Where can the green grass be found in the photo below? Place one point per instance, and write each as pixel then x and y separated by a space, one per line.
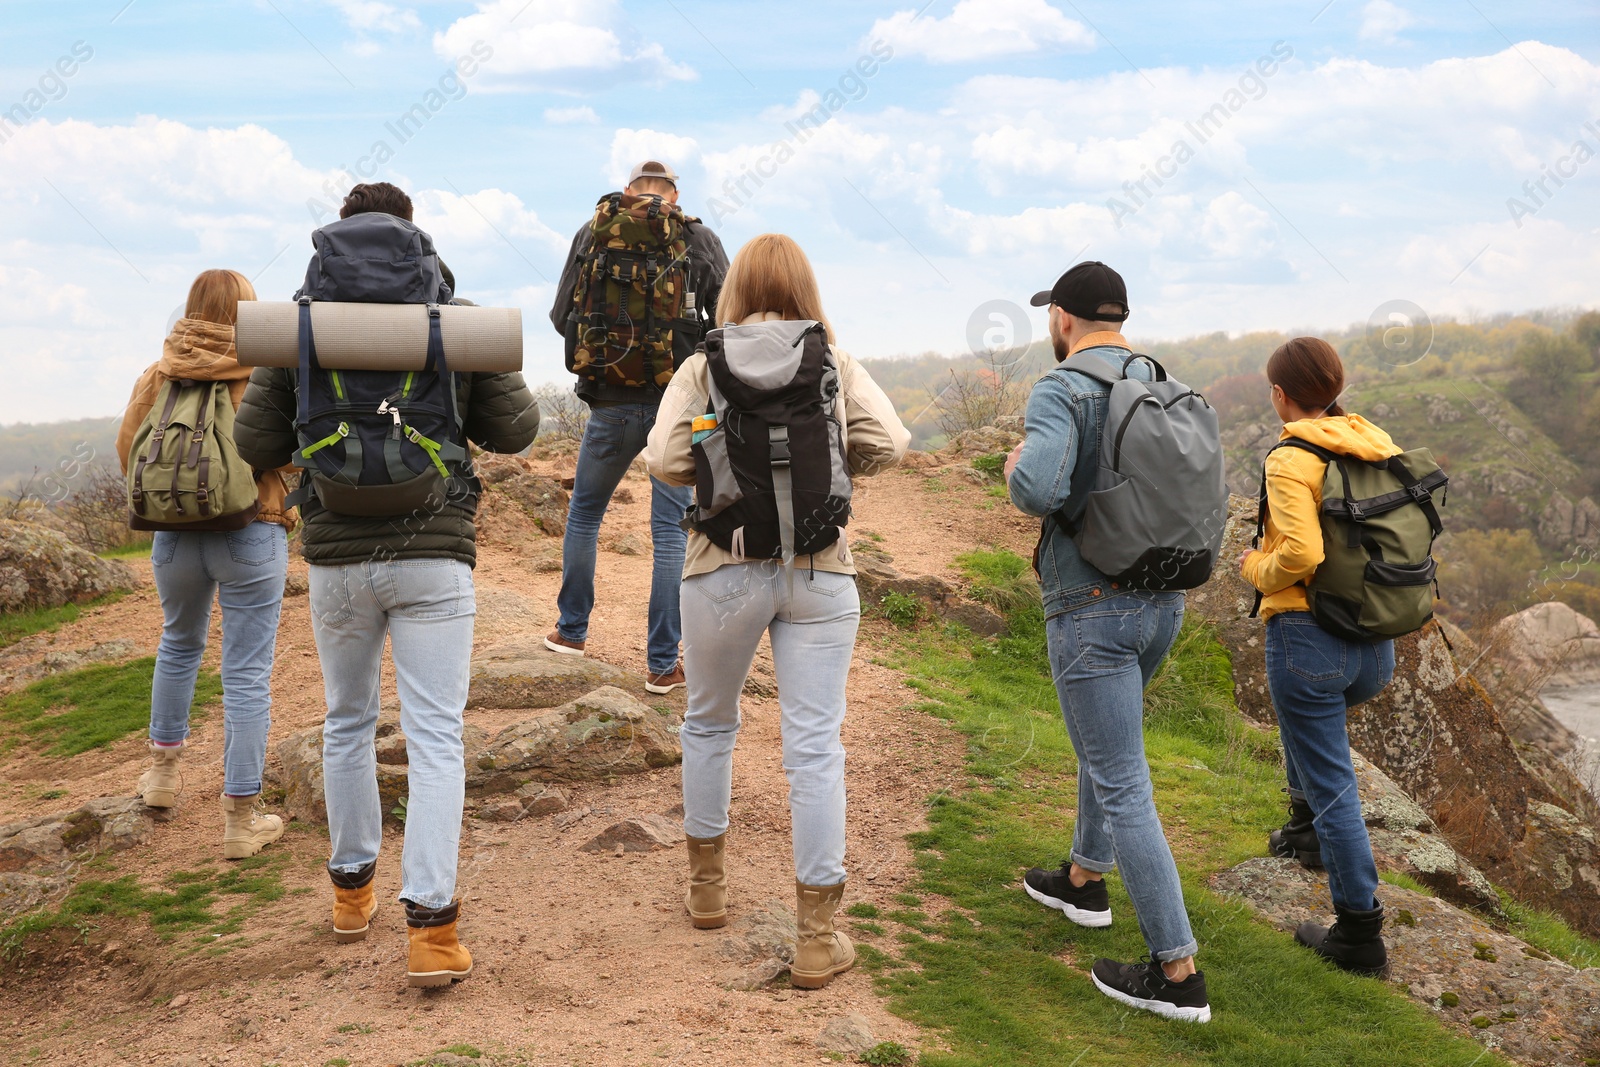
pixel 93 707
pixel 1005 981
pixel 132 548
pixel 1548 933
pixel 186 902
pixel 15 625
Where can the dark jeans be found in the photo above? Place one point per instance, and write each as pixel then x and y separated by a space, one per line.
pixel 1315 678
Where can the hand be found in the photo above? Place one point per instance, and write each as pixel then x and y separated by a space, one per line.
pixel 1244 556
pixel 1012 457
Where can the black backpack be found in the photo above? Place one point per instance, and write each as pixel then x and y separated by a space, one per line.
pixel 377 443
pixel 771 478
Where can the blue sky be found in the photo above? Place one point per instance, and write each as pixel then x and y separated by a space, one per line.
pixel 1301 164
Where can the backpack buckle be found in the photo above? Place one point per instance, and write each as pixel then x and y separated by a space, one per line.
pixel 778 441
pixel 1356 512
pixel 1418 493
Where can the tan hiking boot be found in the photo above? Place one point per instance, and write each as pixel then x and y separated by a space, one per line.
pixel 707 899
pixel 820 951
pixel 556 643
pixel 353 903
pixel 247 829
pixel 159 785
pixel 437 955
pixel 662 684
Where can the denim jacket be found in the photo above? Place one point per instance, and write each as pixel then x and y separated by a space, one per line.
pixel 1060 455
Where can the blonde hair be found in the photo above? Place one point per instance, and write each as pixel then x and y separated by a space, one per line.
pixel 771 273
pixel 215 296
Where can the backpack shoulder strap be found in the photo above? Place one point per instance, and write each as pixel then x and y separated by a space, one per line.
pixel 1261 504
pixel 1417 491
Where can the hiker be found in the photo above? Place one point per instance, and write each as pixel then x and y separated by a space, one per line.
pixel 623 341
pixel 1326 650
pixel 1105 642
pixel 240 563
pixel 773 561
pixel 391 551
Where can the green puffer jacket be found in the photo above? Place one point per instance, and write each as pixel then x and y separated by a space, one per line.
pixel 498 413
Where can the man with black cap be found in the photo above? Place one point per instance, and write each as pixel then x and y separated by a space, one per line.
pixel 1105 643
pixel 623 398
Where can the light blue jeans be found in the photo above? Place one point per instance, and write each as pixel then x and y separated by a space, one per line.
pixel 244 571
pixel 426 607
pixel 614 437
pixel 813 625
pixel 1102 657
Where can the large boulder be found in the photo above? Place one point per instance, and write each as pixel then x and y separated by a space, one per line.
pixel 522 673
pixel 1548 645
pixel 877 577
pixel 39 856
pixel 536 498
pixel 1478 980
pixel 299 770
pixel 40 568
pixel 1437 733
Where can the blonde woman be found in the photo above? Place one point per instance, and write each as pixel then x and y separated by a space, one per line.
pixel 243 569
pixel 785 569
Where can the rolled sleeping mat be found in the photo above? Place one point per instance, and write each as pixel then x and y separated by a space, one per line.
pixel 379 336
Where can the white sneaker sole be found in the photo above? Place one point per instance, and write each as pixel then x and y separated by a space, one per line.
pixel 563 649
pixel 1157 1007
pixel 661 690
pixel 1094 920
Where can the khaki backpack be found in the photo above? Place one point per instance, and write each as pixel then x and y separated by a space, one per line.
pixel 185 472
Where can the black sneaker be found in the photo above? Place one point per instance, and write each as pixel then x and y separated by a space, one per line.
pixel 1086 906
pixel 1145 985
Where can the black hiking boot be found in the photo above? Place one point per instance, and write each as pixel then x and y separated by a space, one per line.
pixel 1354 942
pixel 1145 985
pixel 1087 905
pixel 1297 838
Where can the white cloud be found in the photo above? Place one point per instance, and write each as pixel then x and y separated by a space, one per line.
pixel 545 43
pixel 1382 21
pixel 983 29
pixel 374 15
pixel 629 148
pixel 570 116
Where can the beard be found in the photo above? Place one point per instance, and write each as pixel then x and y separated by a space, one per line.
pixel 1058 343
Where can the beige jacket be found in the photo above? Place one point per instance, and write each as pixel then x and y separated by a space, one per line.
pixel 204 352
pixel 874 437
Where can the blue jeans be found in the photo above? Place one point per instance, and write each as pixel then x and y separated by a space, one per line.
pixel 1314 678
pixel 813 622
pixel 614 437
pixel 426 607
pixel 243 571
pixel 1102 657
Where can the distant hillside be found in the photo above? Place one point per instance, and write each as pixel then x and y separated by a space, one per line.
pixel 53 448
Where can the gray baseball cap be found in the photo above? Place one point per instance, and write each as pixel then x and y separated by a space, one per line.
pixel 652 169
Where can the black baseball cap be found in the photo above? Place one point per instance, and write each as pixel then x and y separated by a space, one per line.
pixel 1083 289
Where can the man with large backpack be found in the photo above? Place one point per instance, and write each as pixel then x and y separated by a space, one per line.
pixel 1124 466
pixel 637 296
pixel 388 496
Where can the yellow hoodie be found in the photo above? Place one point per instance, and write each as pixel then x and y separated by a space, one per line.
pixel 1291 549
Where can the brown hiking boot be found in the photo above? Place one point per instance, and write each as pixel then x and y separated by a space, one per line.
pixel 707 899
pixel 662 684
pixel 159 785
pixel 246 829
pixel 820 951
pixel 353 903
pixel 556 643
pixel 437 956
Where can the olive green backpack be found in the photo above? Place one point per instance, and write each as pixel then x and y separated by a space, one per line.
pixel 184 472
pixel 1377 577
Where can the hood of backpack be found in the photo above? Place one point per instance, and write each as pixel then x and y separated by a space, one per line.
pixel 765 355
pixel 1350 435
pixel 201 350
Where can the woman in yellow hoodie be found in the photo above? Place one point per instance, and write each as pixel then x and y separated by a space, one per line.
pixel 1314 676
pixel 244 569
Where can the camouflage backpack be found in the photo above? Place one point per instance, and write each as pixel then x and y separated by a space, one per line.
pixel 632 306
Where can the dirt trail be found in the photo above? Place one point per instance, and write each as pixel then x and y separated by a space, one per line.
pixel 581 958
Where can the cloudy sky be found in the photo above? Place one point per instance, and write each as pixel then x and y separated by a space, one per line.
pixel 1244 164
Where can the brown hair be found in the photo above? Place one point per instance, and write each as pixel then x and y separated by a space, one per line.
pixel 1310 373
pixel 771 273
pixel 378 196
pixel 215 296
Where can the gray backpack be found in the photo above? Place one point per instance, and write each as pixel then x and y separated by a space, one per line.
pixel 1155 514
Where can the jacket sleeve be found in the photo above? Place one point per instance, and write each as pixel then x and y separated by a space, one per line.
pixel 569 283
pixel 876 439
pixel 264 428
pixel 710 268
pixel 502 415
pixel 667 453
pixel 1292 506
pixel 1042 479
pixel 139 404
